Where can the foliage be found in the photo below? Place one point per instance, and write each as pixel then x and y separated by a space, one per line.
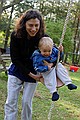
pixel 2 39
pixel 4 21
pixel 54 29
pixel 54 11
pixel 22 7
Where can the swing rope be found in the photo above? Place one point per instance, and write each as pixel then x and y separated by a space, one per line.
pixel 66 22
pixel 65 26
pixel 52 106
pixel 61 41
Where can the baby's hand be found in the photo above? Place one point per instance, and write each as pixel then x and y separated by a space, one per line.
pixel 45 62
pixel 60 48
pixel 48 64
pixel 49 67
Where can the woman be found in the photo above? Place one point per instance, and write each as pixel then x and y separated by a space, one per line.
pixel 24 40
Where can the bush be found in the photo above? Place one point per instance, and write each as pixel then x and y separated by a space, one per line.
pixel 54 30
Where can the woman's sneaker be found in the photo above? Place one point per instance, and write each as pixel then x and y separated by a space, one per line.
pixel 55 96
pixel 71 86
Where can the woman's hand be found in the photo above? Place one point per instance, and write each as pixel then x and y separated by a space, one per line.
pixel 38 78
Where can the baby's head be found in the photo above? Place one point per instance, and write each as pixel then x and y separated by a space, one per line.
pixel 45 46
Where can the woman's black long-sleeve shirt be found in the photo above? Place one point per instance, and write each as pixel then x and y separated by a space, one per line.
pixel 21 50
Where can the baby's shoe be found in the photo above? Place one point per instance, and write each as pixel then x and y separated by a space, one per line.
pixel 55 96
pixel 72 86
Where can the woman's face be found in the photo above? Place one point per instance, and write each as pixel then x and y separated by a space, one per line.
pixel 32 26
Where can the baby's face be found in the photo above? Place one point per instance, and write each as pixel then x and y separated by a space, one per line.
pixel 46 50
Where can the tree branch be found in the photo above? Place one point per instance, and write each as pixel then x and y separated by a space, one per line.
pixel 14 3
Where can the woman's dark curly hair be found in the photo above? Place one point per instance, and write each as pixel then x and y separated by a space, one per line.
pixel 20 27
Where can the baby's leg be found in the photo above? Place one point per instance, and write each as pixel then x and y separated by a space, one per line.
pixel 63 75
pixel 50 80
pixel 50 83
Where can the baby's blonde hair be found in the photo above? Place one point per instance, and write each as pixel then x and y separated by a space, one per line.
pixel 45 41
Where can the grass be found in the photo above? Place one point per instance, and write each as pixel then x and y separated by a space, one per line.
pixel 66 108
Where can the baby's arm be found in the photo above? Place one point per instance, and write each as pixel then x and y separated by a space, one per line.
pixel 39 65
pixel 50 65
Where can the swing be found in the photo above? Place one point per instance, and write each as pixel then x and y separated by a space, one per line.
pixel 59 82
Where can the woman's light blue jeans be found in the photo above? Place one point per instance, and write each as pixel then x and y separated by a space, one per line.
pixel 11 106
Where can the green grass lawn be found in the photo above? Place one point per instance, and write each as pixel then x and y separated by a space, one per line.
pixel 66 108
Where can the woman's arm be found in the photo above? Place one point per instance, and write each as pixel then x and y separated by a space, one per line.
pixel 36 77
pixel 16 55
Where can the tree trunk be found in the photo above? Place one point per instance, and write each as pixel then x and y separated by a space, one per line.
pixel 75 36
pixel 1 6
pixel 77 47
pixel 8 29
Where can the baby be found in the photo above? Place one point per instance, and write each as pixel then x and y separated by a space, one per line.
pixel 44 62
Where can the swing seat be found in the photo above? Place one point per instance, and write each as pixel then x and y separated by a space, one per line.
pixel 59 83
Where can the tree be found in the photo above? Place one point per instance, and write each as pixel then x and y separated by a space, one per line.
pixel 8 28
pixel 54 30
pixel 3 6
pixel 13 5
pixel 76 30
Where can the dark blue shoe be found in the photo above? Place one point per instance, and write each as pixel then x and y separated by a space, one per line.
pixel 55 96
pixel 72 86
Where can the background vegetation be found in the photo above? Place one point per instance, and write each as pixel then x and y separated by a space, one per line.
pixel 66 108
pixel 54 13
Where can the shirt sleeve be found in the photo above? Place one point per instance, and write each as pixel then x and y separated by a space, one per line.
pixel 38 63
pixel 16 56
